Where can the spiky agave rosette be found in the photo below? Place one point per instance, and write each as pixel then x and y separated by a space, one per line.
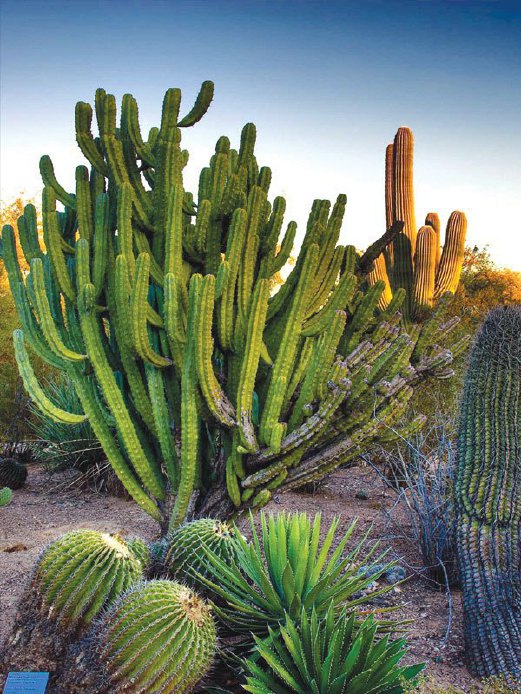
pixel 158 637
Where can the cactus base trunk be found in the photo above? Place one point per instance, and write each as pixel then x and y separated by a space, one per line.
pixel 36 642
pixel 493 623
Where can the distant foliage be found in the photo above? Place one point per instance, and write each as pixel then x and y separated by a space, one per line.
pixel 62 446
pixel 9 213
pixel 483 286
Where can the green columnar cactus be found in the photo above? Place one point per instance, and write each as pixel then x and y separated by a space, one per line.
pixel 12 473
pixel 186 557
pixel 206 392
pixel 6 496
pixel 414 260
pixel 488 498
pixel 159 637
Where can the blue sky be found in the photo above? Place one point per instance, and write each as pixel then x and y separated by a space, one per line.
pixel 327 84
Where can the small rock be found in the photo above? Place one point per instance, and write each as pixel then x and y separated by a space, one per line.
pixel 362 495
pixel 395 574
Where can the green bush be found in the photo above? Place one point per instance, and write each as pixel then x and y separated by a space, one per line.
pixel 59 445
pixel 334 655
pixel 285 569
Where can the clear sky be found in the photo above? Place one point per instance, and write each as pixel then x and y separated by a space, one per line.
pixel 327 84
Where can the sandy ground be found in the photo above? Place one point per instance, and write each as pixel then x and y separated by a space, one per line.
pixel 50 506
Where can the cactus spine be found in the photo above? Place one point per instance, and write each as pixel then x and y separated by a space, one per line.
pixel 414 260
pixel 83 572
pixel 159 637
pixel 488 498
pixel 205 392
pixel 12 473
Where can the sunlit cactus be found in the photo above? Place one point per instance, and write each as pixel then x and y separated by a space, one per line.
pixel 83 572
pixel 12 473
pixel 141 551
pixel 488 498
pixel 159 637
pixel 206 391
pixel 414 260
pixel 187 559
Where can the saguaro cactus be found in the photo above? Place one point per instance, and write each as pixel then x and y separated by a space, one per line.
pixel 414 260
pixel 488 498
pixel 205 391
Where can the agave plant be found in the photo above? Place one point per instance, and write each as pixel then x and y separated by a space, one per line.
pixel 62 446
pixel 284 570
pixel 333 655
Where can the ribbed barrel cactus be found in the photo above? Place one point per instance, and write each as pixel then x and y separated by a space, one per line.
pixel 414 260
pixel 488 498
pixel 6 496
pixel 206 390
pixel 159 637
pixel 12 473
pixel 76 577
pixel 186 559
pixel 83 572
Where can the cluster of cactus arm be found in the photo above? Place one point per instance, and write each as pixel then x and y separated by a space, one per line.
pixel 414 260
pixel 207 391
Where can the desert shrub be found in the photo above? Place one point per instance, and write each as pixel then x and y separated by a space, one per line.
pixel 483 285
pixel 420 471
pixel 61 446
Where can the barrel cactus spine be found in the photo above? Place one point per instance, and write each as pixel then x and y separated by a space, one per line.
pixel 206 392
pixel 12 473
pixel 414 260
pixel 186 558
pixel 488 498
pixel 141 551
pixel 159 636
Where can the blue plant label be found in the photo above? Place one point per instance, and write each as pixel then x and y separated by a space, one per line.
pixel 26 683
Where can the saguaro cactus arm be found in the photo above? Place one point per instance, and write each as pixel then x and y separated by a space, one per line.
pixel 414 260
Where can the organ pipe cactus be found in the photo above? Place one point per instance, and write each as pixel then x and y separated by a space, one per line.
pixel 159 637
pixel 414 259
pixel 206 391
pixel 488 498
